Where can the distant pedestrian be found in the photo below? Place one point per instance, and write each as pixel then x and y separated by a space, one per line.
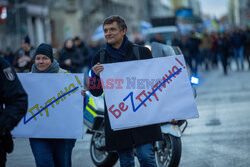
pixel 194 52
pixel 214 60
pixel 247 45
pixel 223 48
pixel 84 50
pixel 206 44
pixel 24 56
pixel 9 56
pixel 70 57
pixel 177 42
pixel 238 41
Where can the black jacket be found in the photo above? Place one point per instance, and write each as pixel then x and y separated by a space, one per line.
pixel 76 59
pixel 13 96
pixel 86 58
pixel 124 139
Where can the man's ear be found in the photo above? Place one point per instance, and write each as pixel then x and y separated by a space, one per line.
pixel 124 31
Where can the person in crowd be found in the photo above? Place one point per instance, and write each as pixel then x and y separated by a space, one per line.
pixel 50 152
pixel 70 58
pixel 194 52
pixel 84 52
pixel 177 42
pixel 185 50
pixel 223 48
pixel 206 44
pixel 238 40
pixel 120 49
pixel 9 56
pixel 247 45
pixel 158 38
pixel 94 47
pixel 13 106
pixel 138 39
pixel 214 60
pixel 24 56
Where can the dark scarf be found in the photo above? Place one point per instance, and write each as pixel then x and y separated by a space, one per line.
pixel 118 54
pixel 53 68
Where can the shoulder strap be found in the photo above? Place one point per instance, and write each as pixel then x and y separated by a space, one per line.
pixel 136 51
pixel 102 54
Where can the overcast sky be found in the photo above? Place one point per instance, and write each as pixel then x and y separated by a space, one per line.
pixel 214 7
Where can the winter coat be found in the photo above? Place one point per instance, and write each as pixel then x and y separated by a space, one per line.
pixel 84 54
pixel 74 55
pixel 206 42
pixel 223 46
pixel 193 45
pixel 13 96
pixel 237 40
pixel 128 138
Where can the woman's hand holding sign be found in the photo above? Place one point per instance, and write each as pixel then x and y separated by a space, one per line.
pixel 98 68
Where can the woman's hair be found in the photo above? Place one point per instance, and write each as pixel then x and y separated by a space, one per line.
pixel 115 18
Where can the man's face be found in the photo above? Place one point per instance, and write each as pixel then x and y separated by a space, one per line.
pixel 113 35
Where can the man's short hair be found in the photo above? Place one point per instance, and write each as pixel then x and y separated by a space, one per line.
pixel 115 18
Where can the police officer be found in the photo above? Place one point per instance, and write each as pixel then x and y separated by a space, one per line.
pixel 13 106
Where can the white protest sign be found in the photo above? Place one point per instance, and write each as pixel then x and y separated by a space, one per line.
pixel 55 106
pixel 144 92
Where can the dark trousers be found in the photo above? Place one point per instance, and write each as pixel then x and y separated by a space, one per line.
pixel 206 53
pixel 2 156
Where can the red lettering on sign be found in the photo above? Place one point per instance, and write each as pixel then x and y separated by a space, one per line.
pixel 116 112
pixel 142 93
pixel 110 84
pixel 174 69
pixel 121 106
pixel 119 81
pixel 91 82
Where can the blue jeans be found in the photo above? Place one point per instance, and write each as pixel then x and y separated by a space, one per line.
pixel 239 57
pixel 145 155
pixel 52 152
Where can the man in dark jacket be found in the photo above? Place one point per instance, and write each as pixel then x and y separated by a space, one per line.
pixel 13 106
pixel 223 48
pixel 237 41
pixel 23 59
pixel 119 49
pixel 84 52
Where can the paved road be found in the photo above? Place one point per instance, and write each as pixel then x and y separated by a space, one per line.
pixel 220 137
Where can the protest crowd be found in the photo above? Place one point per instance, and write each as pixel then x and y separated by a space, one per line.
pixel 202 51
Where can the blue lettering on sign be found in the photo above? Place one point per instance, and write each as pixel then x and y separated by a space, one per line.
pixel 24 120
pixel 131 93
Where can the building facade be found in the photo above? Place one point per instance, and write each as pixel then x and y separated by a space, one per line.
pixel 239 13
pixel 25 17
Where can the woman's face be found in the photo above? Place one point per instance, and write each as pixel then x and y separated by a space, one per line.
pixel 42 62
pixel 69 44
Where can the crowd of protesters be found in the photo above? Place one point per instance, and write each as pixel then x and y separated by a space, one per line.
pixel 201 51
pixel 206 50
pixel 74 55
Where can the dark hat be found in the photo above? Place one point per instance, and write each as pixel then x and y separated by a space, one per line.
pixel 26 39
pixel 45 49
